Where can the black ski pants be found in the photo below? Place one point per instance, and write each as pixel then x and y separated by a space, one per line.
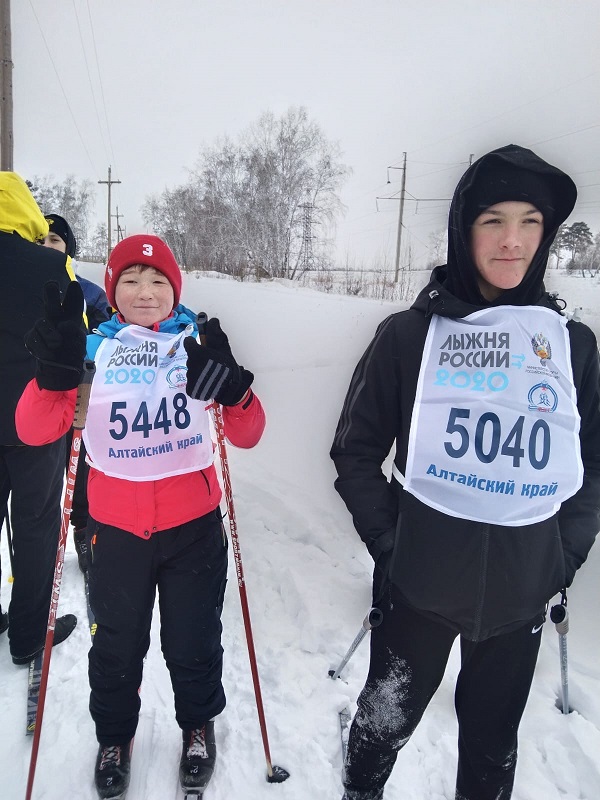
pixel 409 653
pixel 33 476
pixel 188 565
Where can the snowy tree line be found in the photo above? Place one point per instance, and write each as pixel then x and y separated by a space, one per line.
pixel 74 200
pixel 264 206
pixel 260 205
pixel 577 249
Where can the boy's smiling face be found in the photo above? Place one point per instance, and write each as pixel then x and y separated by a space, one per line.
pixel 143 296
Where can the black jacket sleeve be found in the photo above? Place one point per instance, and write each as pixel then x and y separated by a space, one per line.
pixel 365 433
pixel 579 516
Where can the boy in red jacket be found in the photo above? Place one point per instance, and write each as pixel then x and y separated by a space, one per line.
pixel 153 492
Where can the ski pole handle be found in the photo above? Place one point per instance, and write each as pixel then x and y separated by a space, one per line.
pixel 83 394
pixel 560 617
pixel 372 620
pixel 201 320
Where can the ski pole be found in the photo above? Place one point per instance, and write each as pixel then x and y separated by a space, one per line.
pixel 560 617
pixel 275 774
pixel 81 406
pixel 372 620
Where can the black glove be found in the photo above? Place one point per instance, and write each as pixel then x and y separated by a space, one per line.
pixel 382 544
pixel 58 340
pixel 212 371
pixel 381 550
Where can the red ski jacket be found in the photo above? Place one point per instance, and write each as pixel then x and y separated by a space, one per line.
pixel 142 508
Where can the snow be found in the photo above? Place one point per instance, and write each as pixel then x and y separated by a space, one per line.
pixel 308 583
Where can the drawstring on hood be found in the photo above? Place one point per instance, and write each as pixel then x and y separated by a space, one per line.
pixel 508 173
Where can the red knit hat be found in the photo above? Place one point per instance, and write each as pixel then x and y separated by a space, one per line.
pixel 142 249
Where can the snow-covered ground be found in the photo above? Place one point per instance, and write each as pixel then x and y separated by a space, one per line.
pixel 308 583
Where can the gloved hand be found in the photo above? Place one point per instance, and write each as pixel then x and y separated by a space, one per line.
pixel 212 371
pixel 381 550
pixel 58 340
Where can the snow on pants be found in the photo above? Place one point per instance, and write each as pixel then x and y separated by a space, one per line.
pixel 34 478
pixel 188 565
pixel 409 653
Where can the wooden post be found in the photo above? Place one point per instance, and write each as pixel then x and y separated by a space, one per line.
pixel 6 98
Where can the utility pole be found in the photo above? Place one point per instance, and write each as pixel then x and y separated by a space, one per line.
pixel 6 97
pixel 109 183
pixel 400 216
pixel 118 216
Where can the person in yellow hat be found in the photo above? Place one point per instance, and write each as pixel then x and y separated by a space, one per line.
pixel 32 476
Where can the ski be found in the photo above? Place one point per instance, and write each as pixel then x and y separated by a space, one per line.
pixel 344 717
pixel 33 691
pixel 186 794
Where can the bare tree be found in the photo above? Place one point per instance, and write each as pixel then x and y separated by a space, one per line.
pixel 174 217
pixel 241 210
pixel 97 246
pixel 71 198
pixel 438 247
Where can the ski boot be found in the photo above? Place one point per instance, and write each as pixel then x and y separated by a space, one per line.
pixel 111 774
pixel 197 759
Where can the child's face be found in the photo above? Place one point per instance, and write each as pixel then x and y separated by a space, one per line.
pixel 143 296
pixel 54 241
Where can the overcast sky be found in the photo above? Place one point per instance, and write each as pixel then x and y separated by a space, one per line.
pixel 143 84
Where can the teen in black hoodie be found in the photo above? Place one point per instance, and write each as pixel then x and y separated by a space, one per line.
pixel 492 401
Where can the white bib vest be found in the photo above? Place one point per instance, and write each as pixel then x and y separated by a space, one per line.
pixel 141 425
pixel 494 434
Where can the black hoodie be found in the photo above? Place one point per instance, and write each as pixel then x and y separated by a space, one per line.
pixel 478 578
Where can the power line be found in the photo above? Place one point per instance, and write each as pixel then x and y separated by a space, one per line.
pixel 63 89
pixel 114 160
pixel 564 135
pixel 526 104
pixel 87 67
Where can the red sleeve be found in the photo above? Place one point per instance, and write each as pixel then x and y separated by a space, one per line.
pixel 43 416
pixel 245 422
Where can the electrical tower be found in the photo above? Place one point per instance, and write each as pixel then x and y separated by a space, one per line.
pixel 307 258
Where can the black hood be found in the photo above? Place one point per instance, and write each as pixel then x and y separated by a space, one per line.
pixel 460 277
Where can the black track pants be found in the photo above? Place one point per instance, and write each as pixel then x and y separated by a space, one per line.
pixel 188 565
pixel 409 653
pixel 34 478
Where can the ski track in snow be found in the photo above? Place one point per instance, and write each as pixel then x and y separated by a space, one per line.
pixel 308 584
